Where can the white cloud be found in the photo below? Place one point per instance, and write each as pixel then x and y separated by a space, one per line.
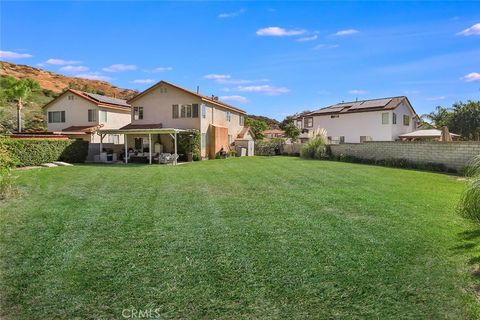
pixel 160 69
pixel 325 46
pixel 214 76
pixel 473 30
pixel 14 55
pixel 60 62
pixel 227 79
pixel 357 91
pixel 473 76
pixel 120 67
pixel 237 99
pixel 232 14
pixel 93 76
pixel 346 32
pixel 310 38
pixel 143 81
pixel 265 89
pixel 279 32
pixel 436 98
pixel 74 69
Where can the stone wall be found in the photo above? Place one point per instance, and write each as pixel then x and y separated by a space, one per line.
pixel 454 155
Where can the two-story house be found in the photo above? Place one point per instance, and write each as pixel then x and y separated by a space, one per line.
pixel 383 119
pixel 79 114
pixel 165 110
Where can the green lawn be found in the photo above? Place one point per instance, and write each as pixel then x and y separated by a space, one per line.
pixel 242 238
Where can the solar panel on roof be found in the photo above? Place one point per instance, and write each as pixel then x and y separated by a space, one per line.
pixel 106 99
pixel 380 103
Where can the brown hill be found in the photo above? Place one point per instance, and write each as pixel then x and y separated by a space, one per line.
pixel 57 82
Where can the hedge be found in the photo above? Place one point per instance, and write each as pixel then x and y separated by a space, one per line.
pixel 33 152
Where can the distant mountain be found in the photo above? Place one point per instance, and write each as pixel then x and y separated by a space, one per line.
pixel 57 83
pixel 272 123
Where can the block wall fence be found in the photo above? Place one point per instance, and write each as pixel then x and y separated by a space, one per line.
pixel 454 155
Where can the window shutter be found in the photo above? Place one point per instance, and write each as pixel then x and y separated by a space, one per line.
pixel 194 110
pixel 63 116
pixel 175 111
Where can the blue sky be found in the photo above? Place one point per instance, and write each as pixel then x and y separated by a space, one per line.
pixel 269 58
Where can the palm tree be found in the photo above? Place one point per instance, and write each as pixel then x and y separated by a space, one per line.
pixel 439 117
pixel 20 91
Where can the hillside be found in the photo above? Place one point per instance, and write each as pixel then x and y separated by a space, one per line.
pixel 57 83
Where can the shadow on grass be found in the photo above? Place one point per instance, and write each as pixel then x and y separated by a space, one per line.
pixel 468 246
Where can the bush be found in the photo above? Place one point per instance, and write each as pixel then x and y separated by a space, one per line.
pixel 315 148
pixel 469 205
pixel 268 148
pixel 395 163
pixel 7 188
pixel 32 152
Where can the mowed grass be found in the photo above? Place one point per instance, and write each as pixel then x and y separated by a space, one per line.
pixel 239 238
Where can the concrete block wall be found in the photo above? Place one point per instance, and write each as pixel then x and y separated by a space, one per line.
pixel 454 155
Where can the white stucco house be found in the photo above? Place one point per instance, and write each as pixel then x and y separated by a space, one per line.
pixel 383 119
pixel 79 115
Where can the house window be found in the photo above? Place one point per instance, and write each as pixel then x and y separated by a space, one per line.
pixel 204 140
pixel 175 111
pixel 137 113
pixel 163 90
pixel 230 139
pixel 204 111
pixel 103 116
pixel 189 110
pixel 92 115
pixel 384 117
pixel 242 120
pixel 194 110
pixel 333 116
pixel 342 139
pixel 309 122
pixel 394 118
pixel 229 116
pixel 114 138
pixel 56 116
pixel 406 120
pixel 299 123
pixel 71 97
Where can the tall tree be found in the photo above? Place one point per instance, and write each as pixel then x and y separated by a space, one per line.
pixel 440 117
pixel 257 127
pixel 20 91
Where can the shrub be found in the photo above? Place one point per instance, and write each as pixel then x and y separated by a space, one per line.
pixel 269 147
pixel 469 205
pixel 32 152
pixel 395 163
pixel 315 148
pixel 7 188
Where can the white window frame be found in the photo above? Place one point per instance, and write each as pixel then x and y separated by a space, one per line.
pixel 51 116
pixel 406 123
pixel 137 115
pixel 103 116
pixel 92 115
pixel 204 111
pixel 228 116
pixel 394 118
pixel 242 120
pixel 309 122
pixel 385 120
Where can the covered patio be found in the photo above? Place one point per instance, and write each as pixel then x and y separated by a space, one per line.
pixel 147 142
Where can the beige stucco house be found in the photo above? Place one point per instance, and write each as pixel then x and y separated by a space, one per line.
pixel 162 112
pixel 384 119
pixel 78 115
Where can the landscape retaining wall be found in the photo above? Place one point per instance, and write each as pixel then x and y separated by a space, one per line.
pixel 454 155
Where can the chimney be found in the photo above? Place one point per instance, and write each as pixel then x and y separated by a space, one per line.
pixel 198 89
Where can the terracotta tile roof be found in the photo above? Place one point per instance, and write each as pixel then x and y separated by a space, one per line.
pixel 131 126
pixel 204 98
pixel 273 131
pixel 100 101
pixel 83 129
pixel 360 106
pixel 244 131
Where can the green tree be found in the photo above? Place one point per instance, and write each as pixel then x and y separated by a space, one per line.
pixel 440 117
pixel 257 127
pixel 291 131
pixel 18 91
pixel 465 120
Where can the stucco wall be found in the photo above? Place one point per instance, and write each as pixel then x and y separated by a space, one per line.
pixel 454 155
pixel 76 112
